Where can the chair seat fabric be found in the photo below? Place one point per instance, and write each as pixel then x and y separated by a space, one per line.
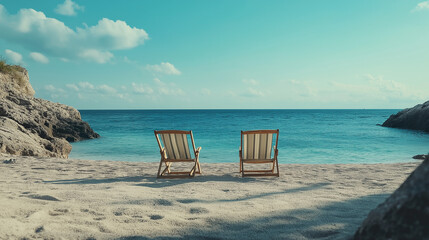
pixel 176 145
pixel 257 146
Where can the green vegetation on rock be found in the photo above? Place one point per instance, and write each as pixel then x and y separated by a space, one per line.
pixel 9 69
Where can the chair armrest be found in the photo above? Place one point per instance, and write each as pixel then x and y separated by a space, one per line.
pixel 198 150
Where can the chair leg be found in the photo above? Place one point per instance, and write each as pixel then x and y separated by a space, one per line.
pixel 194 168
pixel 199 167
pixel 242 168
pixel 168 164
pixel 159 169
pixel 192 172
pixel 277 163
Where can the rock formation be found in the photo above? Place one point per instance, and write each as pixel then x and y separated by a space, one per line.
pixel 415 118
pixel 35 127
pixel 405 214
pixel 421 156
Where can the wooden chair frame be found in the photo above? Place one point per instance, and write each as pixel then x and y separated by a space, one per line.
pixel 274 160
pixel 166 172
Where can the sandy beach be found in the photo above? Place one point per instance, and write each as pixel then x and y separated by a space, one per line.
pixel 50 198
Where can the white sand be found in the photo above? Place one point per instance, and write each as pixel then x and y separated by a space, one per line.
pixel 81 199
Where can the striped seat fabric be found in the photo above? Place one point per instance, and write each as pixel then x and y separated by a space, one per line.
pixel 176 145
pixel 257 146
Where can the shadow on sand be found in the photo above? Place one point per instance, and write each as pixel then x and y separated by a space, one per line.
pixel 338 220
pixel 153 182
pixel 261 195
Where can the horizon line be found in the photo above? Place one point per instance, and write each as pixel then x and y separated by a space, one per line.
pixel 160 109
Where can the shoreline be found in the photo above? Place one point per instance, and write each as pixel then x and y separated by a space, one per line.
pixel 70 198
pixel 236 161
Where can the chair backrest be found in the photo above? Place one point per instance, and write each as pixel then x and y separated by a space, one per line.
pixel 258 144
pixel 175 143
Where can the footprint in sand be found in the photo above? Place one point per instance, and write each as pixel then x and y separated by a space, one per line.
pixel 156 217
pixel 86 170
pixel 187 200
pixel 97 216
pixel 39 229
pixel 117 213
pixel 198 210
pixel 103 229
pixel 58 212
pixel 163 202
pixel 43 197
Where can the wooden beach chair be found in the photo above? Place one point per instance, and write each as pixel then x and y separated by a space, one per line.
pixel 175 148
pixel 257 147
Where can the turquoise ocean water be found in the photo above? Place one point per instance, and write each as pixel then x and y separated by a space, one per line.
pixel 306 136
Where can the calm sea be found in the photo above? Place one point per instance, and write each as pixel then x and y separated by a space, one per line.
pixel 306 136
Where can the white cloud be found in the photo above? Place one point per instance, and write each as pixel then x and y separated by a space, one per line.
pixel 90 89
pixel 96 55
pixel 54 92
pixel 365 91
pixel 86 90
pixel 153 91
pixel 168 89
pixel 158 81
pixel 68 8
pixel 165 68
pixel 422 6
pixel 86 85
pixel 171 91
pixel 302 89
pixel 38 33
pixel 72 87
pixel 38 57
pixel 106 89
pixel 15 57
pixel 390 88
pixel 50 88
pixel 139 88
pixel 252 92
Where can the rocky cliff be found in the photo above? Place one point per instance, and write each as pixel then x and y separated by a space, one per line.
pixel 415 118
pixel 405 214
pixel 35 127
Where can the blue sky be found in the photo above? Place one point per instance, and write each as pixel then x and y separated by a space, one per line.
pixel 221 54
